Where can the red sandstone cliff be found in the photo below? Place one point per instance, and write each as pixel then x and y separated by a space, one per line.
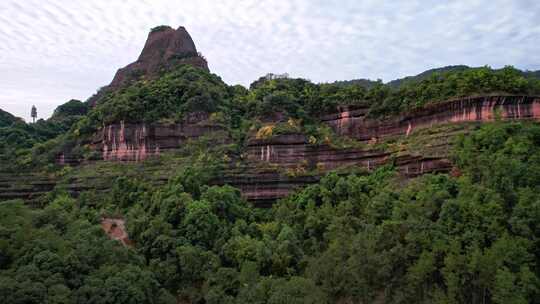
pixel 479 108
pixel 292 153
pixel 273 167
pixel 137 141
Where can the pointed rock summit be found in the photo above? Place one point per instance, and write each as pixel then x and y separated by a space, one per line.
pixel 165 42
pixel 165 48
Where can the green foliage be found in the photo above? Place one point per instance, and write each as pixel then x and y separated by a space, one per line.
pixel 426 74
pixel 509 152
pixel 6 119
pixel 71 108
pixel 25 145
pixel 298 98
pixel 184 90
pixel 458 83
pixel 55 255
pixel 160 28
pixel 360 238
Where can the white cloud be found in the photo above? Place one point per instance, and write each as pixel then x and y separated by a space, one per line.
pixel 54 50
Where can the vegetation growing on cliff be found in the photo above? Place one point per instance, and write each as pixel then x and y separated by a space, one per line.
pixel 440 239
pixel 243 112
pixel 160 28
pixel 443 86
pixel 355 236
pixel 184 90
pixel 471 238
pixel 190 89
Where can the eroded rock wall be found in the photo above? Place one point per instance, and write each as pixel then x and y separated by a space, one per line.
pixel 301 163
pixel 353 123
pixel 275 166
pixel 293 154
pixel 281 163
pixel 135 142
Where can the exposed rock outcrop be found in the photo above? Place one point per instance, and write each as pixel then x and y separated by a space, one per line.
pixel 301 163
pixel 138 141
pixel 272 167
pixel 290 156
pixel 116 230
pixel 26 186
pixel 353 123
pixel 165 48
pixel 135 142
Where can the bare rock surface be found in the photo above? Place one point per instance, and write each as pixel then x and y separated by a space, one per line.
pixel 165 48
pixel 115 228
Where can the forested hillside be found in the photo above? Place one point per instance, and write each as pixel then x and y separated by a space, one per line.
pixel 6 119
pixel 129 198
pixel 19 140
pixel 467 238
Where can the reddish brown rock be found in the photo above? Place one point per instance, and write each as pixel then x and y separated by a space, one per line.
pixel 354 123
pixel 115 228
pixel 138 141
pixel 135 142
pixel 290 157
pixel 164 49
pixel 273 167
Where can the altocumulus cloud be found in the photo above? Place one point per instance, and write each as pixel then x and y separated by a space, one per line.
pixel 54 50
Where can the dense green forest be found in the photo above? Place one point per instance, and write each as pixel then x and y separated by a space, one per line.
pixel 472 238
pixel 469 237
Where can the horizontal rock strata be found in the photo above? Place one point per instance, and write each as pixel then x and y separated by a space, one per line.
pixel 292 155
pixel 275 166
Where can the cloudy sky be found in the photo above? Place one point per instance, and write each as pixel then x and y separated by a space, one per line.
pixel 55 50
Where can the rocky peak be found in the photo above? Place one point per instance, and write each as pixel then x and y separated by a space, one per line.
pixel 165 48
pixel 164 43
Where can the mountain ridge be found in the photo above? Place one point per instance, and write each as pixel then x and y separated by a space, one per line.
pixel 411 79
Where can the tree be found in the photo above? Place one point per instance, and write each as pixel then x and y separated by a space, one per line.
pixel 33 113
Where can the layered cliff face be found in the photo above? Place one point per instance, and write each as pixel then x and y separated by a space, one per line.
pixel 354 124
pixel 135 142
pixel 416 143
pixel 264 169
pixel 165 47
pixel 292 162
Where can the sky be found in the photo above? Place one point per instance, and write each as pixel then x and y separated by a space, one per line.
pixel 54 50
